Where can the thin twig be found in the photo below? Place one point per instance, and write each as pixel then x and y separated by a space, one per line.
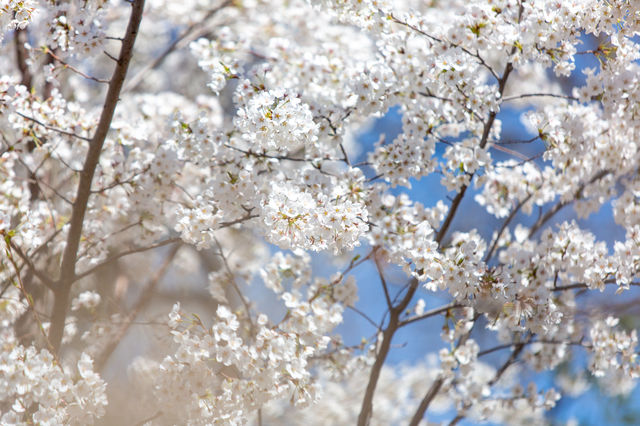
pixel 561 204
pixel 148 419
pixel 28 297
pixel 234 284
pixel 46 280
pixel 117 256
pixel 376 260
pixel 529 95
pixel 54 129
pixel 74 69
pixel 508 220
pixel 365 316
pixel 431 313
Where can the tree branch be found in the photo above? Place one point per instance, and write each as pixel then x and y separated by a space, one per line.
pixel 67 269
pixel 20 38
pixel 387 336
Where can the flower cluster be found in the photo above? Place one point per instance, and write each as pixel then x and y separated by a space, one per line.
pixel 276 120
pixel 613 349
pixel 297 219
pixel 42 392
pixel 15 14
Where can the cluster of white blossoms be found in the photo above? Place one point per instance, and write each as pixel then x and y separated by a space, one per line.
pixel 298 219
pixel 614 354
pixel 222 379
pixel 276 120
pixel 208 157
pixel 512 182
pixel 36 388
pixel 15 14
pixel 43 392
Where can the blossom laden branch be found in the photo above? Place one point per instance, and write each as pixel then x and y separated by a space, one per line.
pixel 67 269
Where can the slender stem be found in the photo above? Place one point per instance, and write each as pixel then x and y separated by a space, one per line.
pixel 54 129
pixel 67 269
pixel 530 95
pixel 234 284
pixel 561 204
pixel 431 313
pixel 365 316
pixel 376 260
pixel 508 220
pixel 74 69
pixel 117 256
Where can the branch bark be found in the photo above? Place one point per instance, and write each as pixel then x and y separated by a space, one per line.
pixel 387 336
pixel 67 270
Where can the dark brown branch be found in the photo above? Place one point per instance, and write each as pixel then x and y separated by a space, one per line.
pixel 437 384
pixel 512 359
pixel 426 401
pixel 20 38
pixel 585 286
pixel 67 270
pixel 530 341
pixel 394 323
pixel 435 387
pixel 516 142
